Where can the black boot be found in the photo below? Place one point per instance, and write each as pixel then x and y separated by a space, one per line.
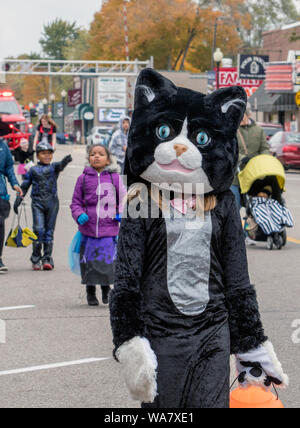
pixel 91 295
pixel 36 257
pixel 48 263
pixel 105 292
pixel 3 268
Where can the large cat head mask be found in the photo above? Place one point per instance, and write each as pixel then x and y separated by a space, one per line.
pixel 182 136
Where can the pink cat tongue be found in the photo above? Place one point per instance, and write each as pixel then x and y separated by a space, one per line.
pixel 175 166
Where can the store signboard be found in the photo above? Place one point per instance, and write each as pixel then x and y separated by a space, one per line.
pixel 112 84
pixel 297 70
pixel 111 114
pixel 279 77
pixel 228 76
pixel 112 99
pixel 252 66
pixel 74 97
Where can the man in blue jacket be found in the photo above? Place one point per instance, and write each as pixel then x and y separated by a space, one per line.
pixel 6 173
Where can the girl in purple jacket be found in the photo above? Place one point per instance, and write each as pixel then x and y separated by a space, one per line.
pixel 95 207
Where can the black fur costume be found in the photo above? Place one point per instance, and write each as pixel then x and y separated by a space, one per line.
pixel 191 335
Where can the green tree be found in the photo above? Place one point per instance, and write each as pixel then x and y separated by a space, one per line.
pixel 77 49
pixel 58 35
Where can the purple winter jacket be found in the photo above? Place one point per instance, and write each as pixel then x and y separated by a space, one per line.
pixel 97 195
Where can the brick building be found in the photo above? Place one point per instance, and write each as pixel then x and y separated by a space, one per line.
pixel 278 43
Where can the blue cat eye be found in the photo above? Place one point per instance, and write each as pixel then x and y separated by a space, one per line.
pixel 202 138
pixel 163 132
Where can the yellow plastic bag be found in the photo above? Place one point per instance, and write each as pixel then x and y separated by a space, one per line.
pixel 18 237
pixel 14 238
pixel 28 237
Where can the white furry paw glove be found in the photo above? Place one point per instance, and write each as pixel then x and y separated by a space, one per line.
pixel 139 365
pixel 261 367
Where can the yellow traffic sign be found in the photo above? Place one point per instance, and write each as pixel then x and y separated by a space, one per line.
pixel 297 98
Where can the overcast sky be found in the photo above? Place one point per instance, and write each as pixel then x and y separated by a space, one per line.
pixel 22 21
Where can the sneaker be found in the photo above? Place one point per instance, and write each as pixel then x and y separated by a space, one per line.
pixel 47 266
pixel 250 242
pixel 37 267
pixel 3 268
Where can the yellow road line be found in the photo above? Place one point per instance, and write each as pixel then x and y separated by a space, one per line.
pixel 295 241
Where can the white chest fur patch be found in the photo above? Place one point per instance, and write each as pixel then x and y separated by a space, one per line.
pixel 189 259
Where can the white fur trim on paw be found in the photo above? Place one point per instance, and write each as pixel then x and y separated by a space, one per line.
pixel 266 357
pixel 139 365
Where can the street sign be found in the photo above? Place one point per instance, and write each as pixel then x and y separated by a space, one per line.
pixel 297 98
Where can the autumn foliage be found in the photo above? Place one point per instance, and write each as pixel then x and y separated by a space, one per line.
pixel 177 33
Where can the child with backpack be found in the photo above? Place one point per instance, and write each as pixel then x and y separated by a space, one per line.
pixel 45 204
pixel 95 207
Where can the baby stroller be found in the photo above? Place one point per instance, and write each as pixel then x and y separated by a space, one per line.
pixel 263 171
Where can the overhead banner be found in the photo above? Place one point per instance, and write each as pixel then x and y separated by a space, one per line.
pixel 252 66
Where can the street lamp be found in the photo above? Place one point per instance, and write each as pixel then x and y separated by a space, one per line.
pixel 63 95
pixel 218 18
pixel 45 102
pixel 52 98
pixel 218 57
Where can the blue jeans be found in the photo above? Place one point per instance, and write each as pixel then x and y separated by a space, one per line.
pixel 236 191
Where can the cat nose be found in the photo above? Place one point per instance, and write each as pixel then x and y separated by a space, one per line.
pixel 180 149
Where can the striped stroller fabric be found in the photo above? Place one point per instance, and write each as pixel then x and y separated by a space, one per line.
pixel 270 215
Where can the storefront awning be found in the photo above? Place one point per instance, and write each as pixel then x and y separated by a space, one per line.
pixel 267 102
pixel 84 112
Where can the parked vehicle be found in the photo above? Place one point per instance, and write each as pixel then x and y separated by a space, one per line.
pixel 270 129
pixel 63 138
pixel 286 147
pixel 11 113
pixel 100 135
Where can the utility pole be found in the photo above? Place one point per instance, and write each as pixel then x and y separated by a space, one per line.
pixel 126 30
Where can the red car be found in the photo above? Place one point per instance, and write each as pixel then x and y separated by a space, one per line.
pixel 13 118
pixel 270 129
pixel 286 147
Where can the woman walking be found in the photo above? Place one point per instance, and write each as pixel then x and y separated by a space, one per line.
pixel 46 132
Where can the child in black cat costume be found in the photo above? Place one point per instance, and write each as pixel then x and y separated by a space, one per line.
pixel 182 301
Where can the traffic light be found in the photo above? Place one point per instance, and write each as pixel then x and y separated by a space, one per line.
pixel 6 67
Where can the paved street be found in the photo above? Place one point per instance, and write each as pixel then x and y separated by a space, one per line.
pixel 58 351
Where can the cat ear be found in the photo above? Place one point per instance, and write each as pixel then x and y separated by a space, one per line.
pixel 229 105
pixel 151 86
